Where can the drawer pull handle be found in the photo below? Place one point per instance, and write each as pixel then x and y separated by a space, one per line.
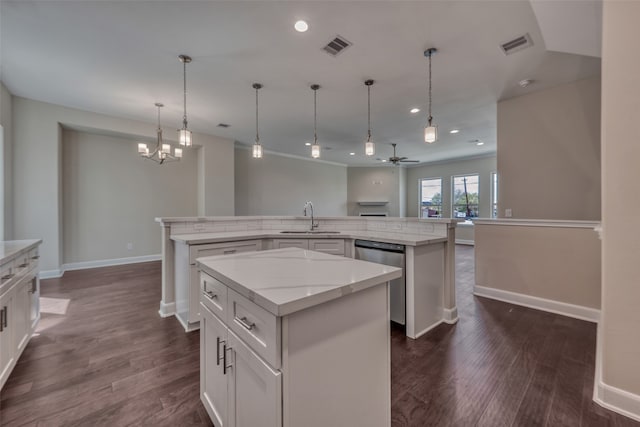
pixel 211 295
pixel 23 265
pixel 245 323
pixel 1 316
pixel 229 251
pixel 5 311
pixel 7 276
pixel 218 358
pixel 35 257
pixel 224 359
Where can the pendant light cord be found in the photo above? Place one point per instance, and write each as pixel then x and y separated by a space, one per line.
pixel 184 118
pixel 257 135
pixel 430 117
pixel 315 135
pixel 369 113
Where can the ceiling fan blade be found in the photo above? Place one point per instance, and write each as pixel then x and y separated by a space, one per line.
pixel 410 161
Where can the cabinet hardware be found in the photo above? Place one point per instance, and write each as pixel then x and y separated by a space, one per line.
pixel 35 257
pixel 1 315
pixel 34 286
pixel 24 265
pixel 229 251
pixel 210 295
pixel 245 323
pixel 5 311
pixel 218 342
pixel 224 359
pixel 7 276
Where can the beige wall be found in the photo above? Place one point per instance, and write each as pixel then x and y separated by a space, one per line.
pixel 483 166
pixel 560 264
pixel 37 165
pixel 111 197
pixel 619 335
pixel 375 184
pixel 280 185
pixel 549 153
pixel 6 164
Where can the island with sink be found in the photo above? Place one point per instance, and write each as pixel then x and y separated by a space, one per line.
pixel 428 270
pixel 295 337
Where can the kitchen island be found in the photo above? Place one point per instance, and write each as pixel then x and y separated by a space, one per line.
pixel 292 337
pixel 429 267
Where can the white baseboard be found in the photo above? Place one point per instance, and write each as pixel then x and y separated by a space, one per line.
pixel 51 274
pixel 424 331
pixel 450 315
pixel 167 310
pixel 609 397
pixel 109 262
pixel 557 307
pixel 188 327
pixel 465 242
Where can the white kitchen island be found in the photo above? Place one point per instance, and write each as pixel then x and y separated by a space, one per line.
pixel 292 337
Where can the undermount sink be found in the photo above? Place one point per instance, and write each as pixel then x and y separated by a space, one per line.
pixel 309 232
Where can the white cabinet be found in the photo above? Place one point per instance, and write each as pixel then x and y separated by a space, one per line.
pixel 19 309
pixel 290 243
pixel 237 388
pixel 187 287
pixel 327 246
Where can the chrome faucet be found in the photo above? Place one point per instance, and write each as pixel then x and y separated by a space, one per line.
pixel 310 206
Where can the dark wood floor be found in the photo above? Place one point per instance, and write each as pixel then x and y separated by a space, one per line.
pixel 111 360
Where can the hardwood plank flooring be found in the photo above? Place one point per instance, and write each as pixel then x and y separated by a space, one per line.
pixel 112 361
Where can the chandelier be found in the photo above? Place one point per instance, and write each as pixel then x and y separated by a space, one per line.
pixel 162 152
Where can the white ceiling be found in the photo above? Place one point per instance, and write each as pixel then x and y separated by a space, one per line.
pixel 119 58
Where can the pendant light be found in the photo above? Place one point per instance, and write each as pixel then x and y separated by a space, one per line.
pixel 430 131
pixel 162 152
pixel 369 146
pixel 257 148
pixel 185 136
pixel 315 148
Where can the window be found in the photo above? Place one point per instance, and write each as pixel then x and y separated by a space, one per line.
pixel 465 196
pixel 431 198
pixel 494 194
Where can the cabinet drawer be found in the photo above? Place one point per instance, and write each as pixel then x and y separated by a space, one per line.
pixel 214 295
pixel 7 273
pixel 328 246
pixel 199 251
pixel 256 326
pixel 290 243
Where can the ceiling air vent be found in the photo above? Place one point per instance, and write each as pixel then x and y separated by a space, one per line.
pixel 223 125
pixel 516 44
pixel 337 45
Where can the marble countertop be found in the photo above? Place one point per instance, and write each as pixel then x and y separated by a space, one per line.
pixel 10 248
pixel 283 281
pixel 387 237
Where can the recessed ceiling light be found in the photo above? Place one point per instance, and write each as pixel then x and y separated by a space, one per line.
pixel 454 131
pixel 301 26
pixel 479 143
pixel 352 154
pixel 307 144
pixel 383 160
pixel 414 110
pixel 525 82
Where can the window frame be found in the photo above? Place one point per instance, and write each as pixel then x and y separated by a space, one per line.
pixel 453 188
pixel 420 196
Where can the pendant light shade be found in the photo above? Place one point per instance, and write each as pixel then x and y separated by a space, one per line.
pixel 369 146
pixel 257 148
pixel 185 136
pixel 162 152
pixel 430 131
pixel 315 147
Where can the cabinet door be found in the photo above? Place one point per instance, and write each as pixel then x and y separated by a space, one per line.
pixel 255 390
pixel 213 381
pixel 21 316
pixel 7 349
pixel 290 243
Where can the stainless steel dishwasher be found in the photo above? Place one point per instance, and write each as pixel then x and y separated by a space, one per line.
pixel 388 254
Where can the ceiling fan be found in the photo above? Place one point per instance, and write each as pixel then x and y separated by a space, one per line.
pixel 397 160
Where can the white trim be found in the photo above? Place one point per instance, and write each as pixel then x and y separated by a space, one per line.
pixel 609 397
pixel 424 331
pixel 167 310
pixel 51 274
pixel 557 307
pixel 465 242
pixel 188 327
pixel 537 223
pixel 109 262
pixel 450 315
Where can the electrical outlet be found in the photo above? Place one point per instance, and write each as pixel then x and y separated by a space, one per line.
pixel 129 246
pixel 508 213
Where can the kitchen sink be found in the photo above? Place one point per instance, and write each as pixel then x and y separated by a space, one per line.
pixel 309 232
